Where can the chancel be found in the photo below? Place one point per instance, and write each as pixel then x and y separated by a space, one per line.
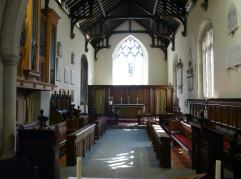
pixel 120 89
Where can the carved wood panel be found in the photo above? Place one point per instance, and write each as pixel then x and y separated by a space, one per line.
pixel 131 95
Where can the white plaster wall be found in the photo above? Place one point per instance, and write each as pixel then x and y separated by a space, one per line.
pixel 69 45
pixel 157 70
pixel 227 83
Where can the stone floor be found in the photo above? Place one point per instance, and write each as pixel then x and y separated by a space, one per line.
pixel 128 153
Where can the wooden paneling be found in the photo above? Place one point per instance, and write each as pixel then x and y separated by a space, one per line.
pixel 146 98
pixel 129 95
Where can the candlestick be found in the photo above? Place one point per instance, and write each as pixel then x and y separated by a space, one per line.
pixel 78 168
pixel 218 170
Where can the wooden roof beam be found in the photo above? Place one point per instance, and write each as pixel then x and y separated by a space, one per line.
pixel 103 12
pixel 90 25
pixel 75 20
pixel 109 18
pixel 142 8
pixel 153 14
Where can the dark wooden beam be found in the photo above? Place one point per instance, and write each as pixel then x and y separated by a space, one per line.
pixel 115 8
pixel 150 17
pixel 141 7
pixel 153 14
pixel 127 31
pixel 155 19
pixel 97 36
pixel 75 20
pixel 129 17
pixel 103 12
pixel 175 17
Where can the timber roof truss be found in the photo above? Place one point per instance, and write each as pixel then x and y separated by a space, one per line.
pixel 98 19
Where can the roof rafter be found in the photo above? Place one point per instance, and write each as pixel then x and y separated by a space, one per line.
pixel 153 14
pixel 103 12
pixel 99 19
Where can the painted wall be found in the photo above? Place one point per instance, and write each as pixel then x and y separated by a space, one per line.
pixel 157 65
pixel 69 45
pixel 227 83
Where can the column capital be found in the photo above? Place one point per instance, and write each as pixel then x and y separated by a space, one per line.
pixel 9 59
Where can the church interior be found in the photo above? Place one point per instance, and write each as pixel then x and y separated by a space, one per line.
pixel 99 89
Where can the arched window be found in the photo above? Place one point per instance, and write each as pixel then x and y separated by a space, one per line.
pixel 207 61
pixel 130 63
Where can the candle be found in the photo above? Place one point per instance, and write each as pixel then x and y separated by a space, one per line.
pixel 218 169
pixel 78 168
pixel 137 100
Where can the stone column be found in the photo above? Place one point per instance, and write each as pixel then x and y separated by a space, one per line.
pixel 8 105
pixel 11 18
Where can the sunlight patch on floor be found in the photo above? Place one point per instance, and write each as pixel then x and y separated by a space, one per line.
pixel 122 160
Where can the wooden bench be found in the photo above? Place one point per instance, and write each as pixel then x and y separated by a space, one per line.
pixel 77 123
pixel 181 133
pixel 61 131
pixel 41 149
pixel 79 142
pixel 162 145
pixel 101 126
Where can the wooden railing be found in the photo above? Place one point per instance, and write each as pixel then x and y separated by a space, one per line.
pixel 222 112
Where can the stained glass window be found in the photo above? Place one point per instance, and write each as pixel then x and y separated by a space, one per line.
pixel 128 63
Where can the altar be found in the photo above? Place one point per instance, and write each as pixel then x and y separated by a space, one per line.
pixel 128 110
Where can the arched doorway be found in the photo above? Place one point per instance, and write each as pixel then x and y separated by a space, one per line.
pixel 84 82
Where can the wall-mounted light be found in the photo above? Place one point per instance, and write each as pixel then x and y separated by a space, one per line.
pixel 87 36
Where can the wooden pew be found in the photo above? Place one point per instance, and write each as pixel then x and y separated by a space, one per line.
pixel 221 115
pixel 79 142
pixel 41 149
pixel 162 144
pixel 208 147
pixel 181 133
pixel 62 131
pixel 77 123
pixel 101 126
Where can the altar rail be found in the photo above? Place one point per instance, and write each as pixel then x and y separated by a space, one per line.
pixel 223 112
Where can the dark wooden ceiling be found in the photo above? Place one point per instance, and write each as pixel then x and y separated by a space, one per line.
pixel 98 19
